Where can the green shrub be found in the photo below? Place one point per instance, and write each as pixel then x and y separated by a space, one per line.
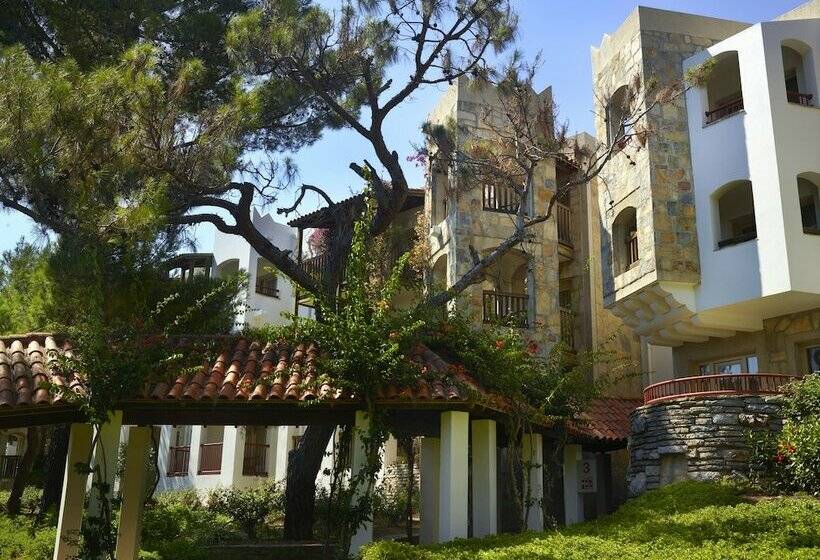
pixel 247 507
pixel 688 520
pixel 790 461
pixel 390 505
pixel 22 539
pixel 176 526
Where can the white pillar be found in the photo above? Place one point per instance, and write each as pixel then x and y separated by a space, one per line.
pixel 106 453
pixel 271 437
pixel 70 517
pixel 358 463
pixel 532 453
pixel 429 489
pixel 452 521
pixel 284 443
pixel 196 450
pixel 485 473
pixel 573 506
pixel 132 487
pixel 233 455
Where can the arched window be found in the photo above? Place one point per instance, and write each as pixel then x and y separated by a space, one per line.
pixel 267 279
pixel 723 90
pixel 735 213
pixel 798 72
pixel 227 268
pixel 625 240
pixel 808 191
pixel 617 111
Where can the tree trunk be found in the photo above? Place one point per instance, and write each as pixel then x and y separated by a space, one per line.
pixel 304 463
pixel 18 484
pixel 55 467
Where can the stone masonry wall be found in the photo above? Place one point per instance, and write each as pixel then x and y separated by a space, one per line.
pixel 696 438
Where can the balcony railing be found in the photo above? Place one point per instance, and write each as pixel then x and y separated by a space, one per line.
pixel 567 327
pixel 564 219
pixel 267 287
pixel 632 254
pixel 210 458
pixel 178 459
pixel 506 309
pixel 254 462
pixel 723 111
pixel 501 199
pixel 8 465
pixel 804 99
pixel 712 385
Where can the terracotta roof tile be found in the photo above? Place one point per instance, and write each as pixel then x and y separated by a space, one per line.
pixel 605 419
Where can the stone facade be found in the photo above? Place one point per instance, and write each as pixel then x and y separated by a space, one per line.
pixel 700 438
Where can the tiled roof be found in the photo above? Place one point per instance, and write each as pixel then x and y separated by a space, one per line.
pixel 323 217
pixel 605 420
pixel 242 371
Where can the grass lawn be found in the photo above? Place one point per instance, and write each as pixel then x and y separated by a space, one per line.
pixel 688 520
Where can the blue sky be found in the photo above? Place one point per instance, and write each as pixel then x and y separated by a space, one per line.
pixel 562 30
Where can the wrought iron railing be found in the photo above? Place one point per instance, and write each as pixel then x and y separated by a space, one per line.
pixel 804 99
pixel 501 199
pixel 178 459
pixel 564 219
pixel 210 458
pixel 8 465
pixel 723 111
pixel 507 309
pixel 254 462
pixel 267 286
pixel 723 384
pixel 567 327
pixel 632 254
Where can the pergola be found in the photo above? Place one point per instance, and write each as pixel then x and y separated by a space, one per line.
pixel 268 383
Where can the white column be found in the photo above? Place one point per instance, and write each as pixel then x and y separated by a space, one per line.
pixel 284 443
pixel 132 487
pixel 271 437
pixel 452 521
pixel 532 453
pixel 106 452
pixel 430 474
pixel 485 477
pixel 358 463
pixel 196 450
pixel 233 455
pixel 70 517
pixel 573 506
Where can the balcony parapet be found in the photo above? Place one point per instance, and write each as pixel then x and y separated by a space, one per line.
pixel 715 385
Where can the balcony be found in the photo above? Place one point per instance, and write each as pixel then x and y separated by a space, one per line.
pixel 567 327
pixel 564 221
pixel 8 465
pixel 506 309
pixel 716 385
pixel 267 286
pixel 254 461
pixel 501 199
pixel 804 99
pixel 178 459
pixel 725 110
pixel 210 458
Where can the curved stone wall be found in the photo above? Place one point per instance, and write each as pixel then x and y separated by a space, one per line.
pixel 700 438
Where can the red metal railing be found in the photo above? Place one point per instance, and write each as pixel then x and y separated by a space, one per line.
pixel 8 465
pixel 210 458
pixel 255 459
pixel 804 99
pixel 564 219
pixel 508 309
pixel 723 384
pixel 724 110
pixel 178 459
pixel 501 199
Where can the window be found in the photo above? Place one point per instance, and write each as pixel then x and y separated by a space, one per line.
pixel 813 359
pixel 267 281
pixel 742 364
pixel 723 89
pixel 809 195
pixel 625 240
pixel 798 72
pixel 736 214
pixel 617 112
